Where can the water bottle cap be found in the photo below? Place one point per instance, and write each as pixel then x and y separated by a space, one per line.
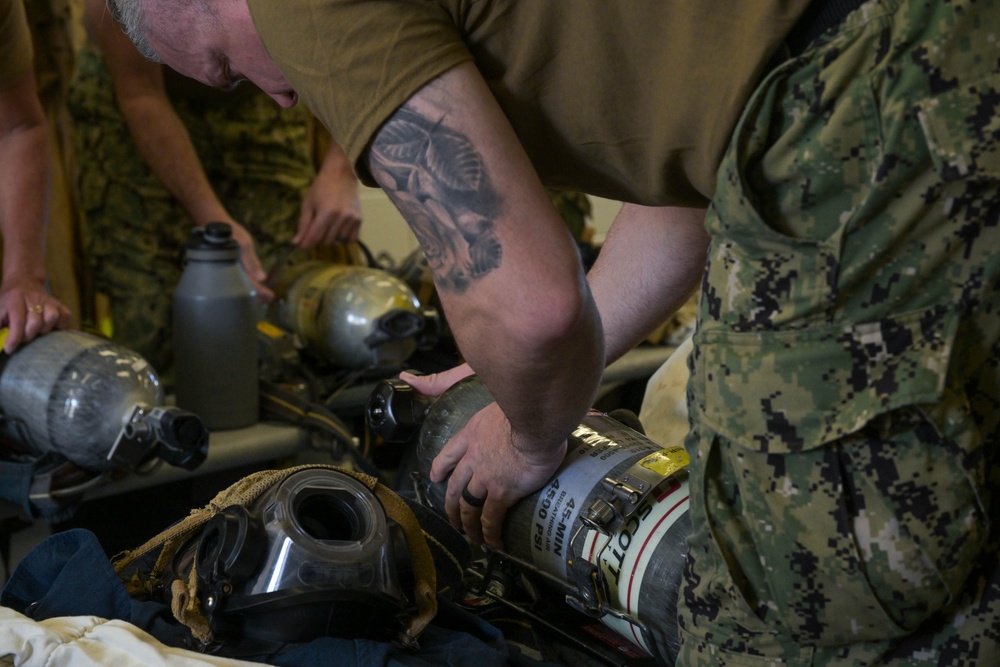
pixel 213 236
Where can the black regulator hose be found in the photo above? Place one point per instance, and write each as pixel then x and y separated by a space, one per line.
pixel 287 406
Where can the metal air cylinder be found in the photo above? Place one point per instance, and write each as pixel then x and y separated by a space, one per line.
pixel 71 393
pixel 617 505
pixel 355 317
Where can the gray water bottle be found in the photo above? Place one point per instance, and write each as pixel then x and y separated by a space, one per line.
pixel 215 332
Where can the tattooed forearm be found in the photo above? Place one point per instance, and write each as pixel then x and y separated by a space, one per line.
pixel 438 180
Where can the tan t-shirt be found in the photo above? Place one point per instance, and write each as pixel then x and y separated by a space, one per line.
pixel 632 100
pixel 15 43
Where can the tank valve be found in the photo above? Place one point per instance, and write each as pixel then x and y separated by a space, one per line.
pixel 177 436
pixel 396 410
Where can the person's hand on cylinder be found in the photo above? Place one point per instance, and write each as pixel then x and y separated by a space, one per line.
pixel 489 468
pixel 511 285
pixel 435 384
pixel 484 444
pixel 331 210
pixel 28 310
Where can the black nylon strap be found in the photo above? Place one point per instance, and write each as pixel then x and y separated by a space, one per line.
pixel 449 548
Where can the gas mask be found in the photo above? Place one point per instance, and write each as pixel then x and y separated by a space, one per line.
pixel 287 556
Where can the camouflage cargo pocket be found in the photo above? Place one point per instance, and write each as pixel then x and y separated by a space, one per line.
pixel 848 458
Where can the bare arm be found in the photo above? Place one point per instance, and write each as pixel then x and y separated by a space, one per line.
pixel 160 135
pixel 25 306
pixel 511 283
pixel 649 265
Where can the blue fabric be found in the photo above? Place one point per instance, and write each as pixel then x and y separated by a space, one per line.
pixel 15 483
pixel 68 574
pixel 16 479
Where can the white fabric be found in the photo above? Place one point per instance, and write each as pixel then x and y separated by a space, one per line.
pixel 663 413
pixel 89 641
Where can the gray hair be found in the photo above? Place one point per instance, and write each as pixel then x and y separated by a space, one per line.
pixel 133 18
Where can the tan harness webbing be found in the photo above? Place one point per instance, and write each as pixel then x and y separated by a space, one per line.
pixel 184 596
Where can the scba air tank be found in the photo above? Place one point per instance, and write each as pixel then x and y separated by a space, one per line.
pixel 70 393
pixel 610 528
pixel 215 332
pixel 355 317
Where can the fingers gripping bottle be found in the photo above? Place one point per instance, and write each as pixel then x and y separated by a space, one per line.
pixel 215 332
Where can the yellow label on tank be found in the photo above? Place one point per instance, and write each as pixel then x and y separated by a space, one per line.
pixel 666 461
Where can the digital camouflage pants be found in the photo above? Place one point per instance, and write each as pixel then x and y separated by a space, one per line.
pixel 256 156
pixel 845 387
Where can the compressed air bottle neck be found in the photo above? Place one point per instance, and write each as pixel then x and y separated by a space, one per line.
pixel 212 243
